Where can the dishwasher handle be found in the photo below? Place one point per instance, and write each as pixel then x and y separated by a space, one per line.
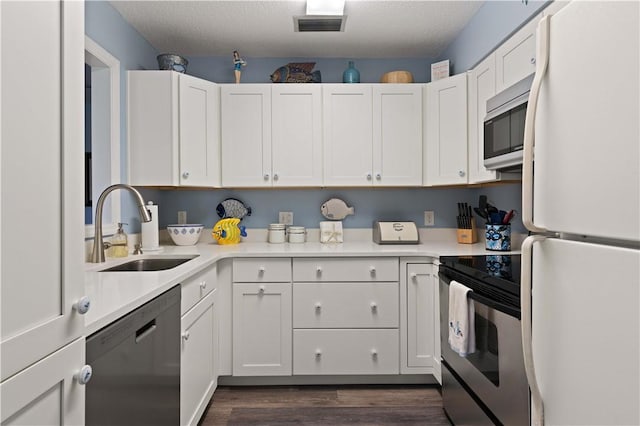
pixel 145 331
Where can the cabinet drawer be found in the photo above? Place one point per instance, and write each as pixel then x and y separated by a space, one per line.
pixel 346 269
pixel 195 288
pixel 349 351
pixel 262 270
pixel 345 305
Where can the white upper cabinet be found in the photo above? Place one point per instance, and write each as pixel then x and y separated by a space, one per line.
pixel 296 134
pixel 174 137
pixel 397 134
pixel 41 159
pixel 372 134
pixel 516 57
pixel 347 134
pixel 271 135
pixel 482 86
pixel 246 135
pixel 446 131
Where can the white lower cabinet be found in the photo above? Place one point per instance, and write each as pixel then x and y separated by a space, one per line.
pixel 420 322
pixel 345 316
pixel 198 372
pixel 46 393
pixel 345 351
pixel 343 304
pixel 262 329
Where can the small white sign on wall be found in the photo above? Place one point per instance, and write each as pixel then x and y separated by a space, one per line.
pixel 439 70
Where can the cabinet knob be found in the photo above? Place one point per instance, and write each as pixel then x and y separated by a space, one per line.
pixel 82 305
pixel 185 175
pixel 374 307
pixel 378 176
pixel 368 176
pixel 372 270
pixel 374 353
pixel 203 285
pixel 318 353
pixel 319 270
pixel 83 375
pixel 185 335
pixel 275 176
pixel 414 276
pixel 461 173
pixel 266 176
pixel 261 289
pixel 261 270
pixel 318 307
pixel 533 61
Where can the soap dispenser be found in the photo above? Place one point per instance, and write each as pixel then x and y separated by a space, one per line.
pixel 119 247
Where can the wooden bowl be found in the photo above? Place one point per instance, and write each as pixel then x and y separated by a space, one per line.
pixel 397 77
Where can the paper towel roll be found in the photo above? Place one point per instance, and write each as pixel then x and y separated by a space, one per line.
pixel 150 240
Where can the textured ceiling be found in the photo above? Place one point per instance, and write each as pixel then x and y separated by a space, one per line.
pixel 373 29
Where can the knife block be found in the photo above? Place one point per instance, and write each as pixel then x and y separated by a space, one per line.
pixel 468 236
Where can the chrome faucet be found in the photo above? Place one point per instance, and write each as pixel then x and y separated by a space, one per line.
pixel 97 255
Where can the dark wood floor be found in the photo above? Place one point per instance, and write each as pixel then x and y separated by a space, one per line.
pixel 326 405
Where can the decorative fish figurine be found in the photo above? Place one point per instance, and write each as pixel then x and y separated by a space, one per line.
pixel 233 208
pixel 228 231
pixel 296 72
pixel 336 209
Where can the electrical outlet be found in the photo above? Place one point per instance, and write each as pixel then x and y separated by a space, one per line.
pixel 182 217
pixel 286 218
pixel 429 218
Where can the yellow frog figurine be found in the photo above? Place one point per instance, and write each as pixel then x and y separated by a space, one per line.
pixel 228 231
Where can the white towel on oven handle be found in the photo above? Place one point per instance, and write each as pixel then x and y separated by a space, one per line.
pixel 462 337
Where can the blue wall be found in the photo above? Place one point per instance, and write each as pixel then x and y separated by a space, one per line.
pixel 105 26
pixel 258 70
pixel 491 24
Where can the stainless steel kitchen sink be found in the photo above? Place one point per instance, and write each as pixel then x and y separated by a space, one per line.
pixel 150 264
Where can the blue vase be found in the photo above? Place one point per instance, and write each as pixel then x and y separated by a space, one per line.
pixel 351 74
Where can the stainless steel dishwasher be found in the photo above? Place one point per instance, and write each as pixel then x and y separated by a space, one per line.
pixel 136 366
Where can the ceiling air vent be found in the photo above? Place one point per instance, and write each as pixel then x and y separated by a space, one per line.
pixel 319 23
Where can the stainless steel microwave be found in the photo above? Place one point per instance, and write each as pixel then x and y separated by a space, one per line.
pixel 504 127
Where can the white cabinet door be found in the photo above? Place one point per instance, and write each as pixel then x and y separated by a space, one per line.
pixel 262 329
pixel 516 57
pixel 418 303
pixel 347 134
pixel 397 134
pixel 296 134
pixel 46 393
pixel 199 132
pixel 173 130
pixel 246 135
pixel 197 360
pixel 482 86
pixel 446 131
pixel 41 161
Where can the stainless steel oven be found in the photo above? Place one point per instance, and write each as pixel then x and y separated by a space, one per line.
pixel 488 386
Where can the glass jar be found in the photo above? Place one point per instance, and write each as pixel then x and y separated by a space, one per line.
pixel 276 233
pixel 351 74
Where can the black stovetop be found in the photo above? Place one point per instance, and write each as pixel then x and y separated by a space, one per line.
pixel 501 271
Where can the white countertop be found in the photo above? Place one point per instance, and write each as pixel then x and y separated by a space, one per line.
pixel 113 294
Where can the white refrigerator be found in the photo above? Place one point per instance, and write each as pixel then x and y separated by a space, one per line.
pixel 581 200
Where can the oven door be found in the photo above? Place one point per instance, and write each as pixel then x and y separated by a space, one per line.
pixel 494 374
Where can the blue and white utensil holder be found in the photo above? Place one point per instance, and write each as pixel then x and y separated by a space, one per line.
pixel 498 237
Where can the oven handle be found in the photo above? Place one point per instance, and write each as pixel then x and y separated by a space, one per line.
pixel 505 309
pixel 537 406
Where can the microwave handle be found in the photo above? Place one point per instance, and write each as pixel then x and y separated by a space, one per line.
pixel 542 54
pixel 537 406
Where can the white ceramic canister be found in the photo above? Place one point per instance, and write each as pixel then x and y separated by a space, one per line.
pixel 297 234
pixel 276 233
